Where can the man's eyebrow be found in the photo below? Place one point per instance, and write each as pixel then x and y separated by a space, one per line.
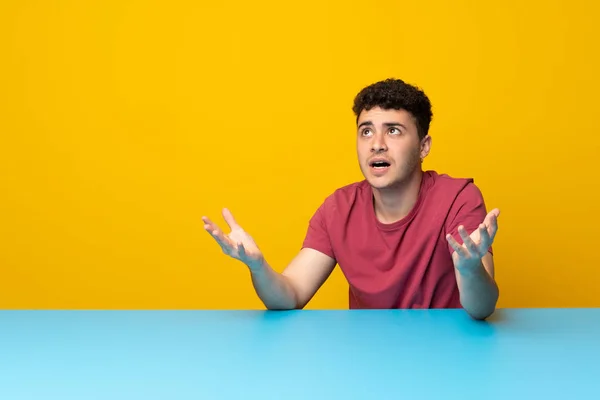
pixel 386 124
pixel 392 124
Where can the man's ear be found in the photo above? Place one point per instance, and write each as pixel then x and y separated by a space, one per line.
pixel 425 146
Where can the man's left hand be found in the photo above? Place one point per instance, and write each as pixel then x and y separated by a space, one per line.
pixel 467 257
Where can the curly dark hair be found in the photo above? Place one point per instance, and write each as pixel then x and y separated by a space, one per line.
pixel 399 95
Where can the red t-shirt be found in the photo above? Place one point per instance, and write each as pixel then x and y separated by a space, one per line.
pixel 406 264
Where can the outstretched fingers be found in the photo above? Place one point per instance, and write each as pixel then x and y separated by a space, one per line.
pixel 217 234
pixel 491 222
pixel 467 241
pixel 485 241
pixel 229 219
pixel 460 250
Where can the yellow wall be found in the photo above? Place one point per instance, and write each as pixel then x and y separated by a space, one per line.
pixel 123 122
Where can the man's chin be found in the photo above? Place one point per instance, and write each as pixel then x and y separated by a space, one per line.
pixel 380 183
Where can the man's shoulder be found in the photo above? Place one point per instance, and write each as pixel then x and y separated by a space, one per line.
pixel 344 197
pixel 445 180
pixel 460 197
pixel 352 189
pixel 446 184
pixel 350 192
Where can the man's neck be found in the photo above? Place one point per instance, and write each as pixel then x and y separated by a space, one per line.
pixel 393 204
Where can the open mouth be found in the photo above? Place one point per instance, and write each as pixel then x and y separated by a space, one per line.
pixel 380 164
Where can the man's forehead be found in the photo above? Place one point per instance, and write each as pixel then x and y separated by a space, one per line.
pixel 376 116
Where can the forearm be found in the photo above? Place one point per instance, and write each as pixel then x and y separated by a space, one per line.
pixel 478 293
pixel 273 288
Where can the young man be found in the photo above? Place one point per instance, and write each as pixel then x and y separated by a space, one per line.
pixel 403 237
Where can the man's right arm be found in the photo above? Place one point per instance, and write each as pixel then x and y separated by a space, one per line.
pixel 296 285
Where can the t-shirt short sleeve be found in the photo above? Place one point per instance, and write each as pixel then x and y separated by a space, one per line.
pixel 317 237
pixel 468 210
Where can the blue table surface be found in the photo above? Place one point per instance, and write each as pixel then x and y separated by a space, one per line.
pixel 366 354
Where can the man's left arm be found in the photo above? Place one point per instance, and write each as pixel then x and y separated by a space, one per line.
pixel 478 289
pixel 472 254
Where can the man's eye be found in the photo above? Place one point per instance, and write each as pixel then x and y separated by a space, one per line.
pixel 395 131
pixel 366 132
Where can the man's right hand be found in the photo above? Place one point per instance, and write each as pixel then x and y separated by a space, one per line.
pixel 237 244
pixel 294 287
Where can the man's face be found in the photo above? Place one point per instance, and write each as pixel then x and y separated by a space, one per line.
pixel 388 147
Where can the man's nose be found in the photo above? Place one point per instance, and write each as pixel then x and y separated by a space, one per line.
pixel 378 143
